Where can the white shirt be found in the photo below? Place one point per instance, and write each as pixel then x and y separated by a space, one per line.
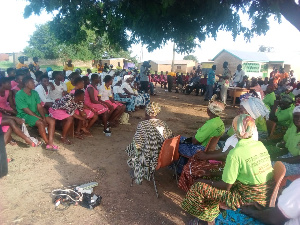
pixel 117 90
pixel 289 203
pixel 58 91
pixel 296 92
pixel 238 77
pixel 44 96
pixel 105 93
pixel 233 140
pixel 264 87
pixel 127 87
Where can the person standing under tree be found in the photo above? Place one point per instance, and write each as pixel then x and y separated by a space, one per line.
pixel 144 79
pixel 224 81
pixel 210 83
pixel 238 75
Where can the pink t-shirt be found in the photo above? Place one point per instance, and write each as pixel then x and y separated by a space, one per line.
pixel 13 84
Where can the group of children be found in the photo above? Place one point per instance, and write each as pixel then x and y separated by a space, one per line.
pixel 76 100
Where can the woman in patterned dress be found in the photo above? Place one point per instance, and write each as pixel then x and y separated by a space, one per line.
pixel 144 150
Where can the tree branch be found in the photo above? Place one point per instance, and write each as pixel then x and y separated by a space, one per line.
pixel 291 11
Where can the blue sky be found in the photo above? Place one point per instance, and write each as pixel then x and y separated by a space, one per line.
pixel 283 37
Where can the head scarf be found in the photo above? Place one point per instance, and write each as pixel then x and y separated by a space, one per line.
pixel 153 109
pixel 126 77
pixel 243 126
pixel 255 107
pixel 287 98
pixel 296 109
pixel 216 107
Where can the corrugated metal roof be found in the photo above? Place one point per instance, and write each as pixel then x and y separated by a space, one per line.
pixel 252 56
pixel 169 62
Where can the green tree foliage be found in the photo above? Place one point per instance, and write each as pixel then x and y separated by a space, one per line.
pixel 190 57
pixel 44 44
pixel 154 22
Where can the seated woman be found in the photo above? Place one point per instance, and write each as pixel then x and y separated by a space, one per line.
pixel 64 109
pixel 140 99
pixel 213 127
pixel 91 100
pixel 58 87
pixel 205 164
pixel 270 96
pixel 7 105
pixel 282 114
pixel 119 95
pixel 85 111
pixel 143 152
pixel 70 82
pixel 19 86
pixel 29 107
pixel 43 89
pixel 247 177
pixel 9 124
pixel 290 144
pixel 105 96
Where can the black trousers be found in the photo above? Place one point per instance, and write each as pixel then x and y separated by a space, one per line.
pixel 144 86
pixel 3 156
pixel 170 83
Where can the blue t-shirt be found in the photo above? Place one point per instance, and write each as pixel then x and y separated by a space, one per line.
pixel 211 77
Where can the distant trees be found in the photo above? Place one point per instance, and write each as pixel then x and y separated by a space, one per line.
pixel 191 57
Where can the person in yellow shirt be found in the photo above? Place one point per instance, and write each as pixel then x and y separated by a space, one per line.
pixel 21 63
pixel 119 66
pixel 68 66
pixel 100 67
pixel 70 83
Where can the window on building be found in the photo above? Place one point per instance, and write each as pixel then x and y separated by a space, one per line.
pixel 179 67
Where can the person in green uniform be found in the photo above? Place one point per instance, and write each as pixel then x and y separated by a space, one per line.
pixel 247 177
pixel 282 113
pixel 291 145
pixel 270 96
pixel 29 107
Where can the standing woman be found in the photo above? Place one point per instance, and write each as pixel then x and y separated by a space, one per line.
pixel 91 100
pixel 225 80
pixel 106 96
pixel 247 177
pixel 29 108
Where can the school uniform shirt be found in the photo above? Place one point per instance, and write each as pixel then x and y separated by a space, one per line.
pixel 44 96
pixel 57 93
pixel 289 203
pixel 70 86
pixel 285 116
pixel 212 128
pixel 292 140
pixel 249 162
pixel 20 66
pixel 105 93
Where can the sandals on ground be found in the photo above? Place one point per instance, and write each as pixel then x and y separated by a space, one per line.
pixel 51 147
pixel 36 145
pixel 78 135
pixel 65 141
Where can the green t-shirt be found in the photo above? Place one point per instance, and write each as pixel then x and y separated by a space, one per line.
pixel 269 100
pixel 292 140
pixel 285 117
pixel 249 162
pixel 24 100
pixel 212 128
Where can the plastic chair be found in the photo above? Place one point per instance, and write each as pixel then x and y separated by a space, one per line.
pixel 168 154
pixel 212 144
pixel 279 173
pixel 271 127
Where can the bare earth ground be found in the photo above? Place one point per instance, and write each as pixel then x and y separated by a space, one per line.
pixel 25 192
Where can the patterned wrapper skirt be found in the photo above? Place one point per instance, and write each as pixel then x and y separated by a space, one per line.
pixel 202 200
pixel 130 102
pixel 195 169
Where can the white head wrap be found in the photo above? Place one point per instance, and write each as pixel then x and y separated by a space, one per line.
pixel 126 77
pixel 296 109
pixel 289 88
pixel 255 107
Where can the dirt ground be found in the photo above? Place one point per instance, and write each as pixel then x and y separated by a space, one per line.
pixel 35 172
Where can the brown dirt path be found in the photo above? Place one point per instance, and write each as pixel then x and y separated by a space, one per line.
pixel 25 192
